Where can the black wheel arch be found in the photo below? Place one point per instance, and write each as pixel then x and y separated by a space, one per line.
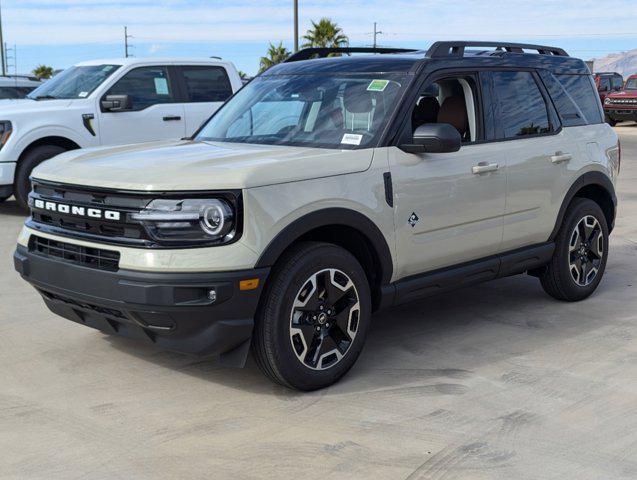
pixel 595 186
pixel 57 141
pixel 344 227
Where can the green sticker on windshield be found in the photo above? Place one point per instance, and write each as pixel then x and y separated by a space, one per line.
pixel 378 85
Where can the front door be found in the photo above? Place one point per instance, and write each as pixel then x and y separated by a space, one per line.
pixel 154 114
pixel 448 206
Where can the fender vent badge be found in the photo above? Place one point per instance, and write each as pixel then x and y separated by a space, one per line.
pixel 413 219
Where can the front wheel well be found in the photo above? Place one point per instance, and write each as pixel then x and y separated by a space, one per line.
pixel 61 142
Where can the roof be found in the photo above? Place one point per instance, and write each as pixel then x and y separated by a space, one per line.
pixel 152 60
pixel 440 55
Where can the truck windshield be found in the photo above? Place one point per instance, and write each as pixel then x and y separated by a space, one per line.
pixel 326 111
pixel 631 84
pixel 74 82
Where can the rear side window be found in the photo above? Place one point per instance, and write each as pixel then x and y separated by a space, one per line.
pixel 582 91
pixel 146 86
pixel 568 111
pixel 521 107
pixel 206 84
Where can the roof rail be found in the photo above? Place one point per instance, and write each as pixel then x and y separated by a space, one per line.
pixel 456 49
pixel 321 52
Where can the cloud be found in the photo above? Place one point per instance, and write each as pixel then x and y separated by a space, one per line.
pixel 156 47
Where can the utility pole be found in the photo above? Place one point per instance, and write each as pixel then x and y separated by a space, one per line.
pixel 4 60
pixel 296 26
pixel 126 45
pixel 376 33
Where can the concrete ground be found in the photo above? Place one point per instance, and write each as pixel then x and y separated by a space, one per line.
pixel 494 382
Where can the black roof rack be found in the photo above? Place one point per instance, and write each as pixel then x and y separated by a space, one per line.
pixel 456 49
pixel 320 52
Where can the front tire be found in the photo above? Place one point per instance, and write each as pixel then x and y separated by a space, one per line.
pixel 32 159
pixel 314 318
pixel 581 251
pixel 610 121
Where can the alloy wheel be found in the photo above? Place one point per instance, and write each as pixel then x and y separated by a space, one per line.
pixel 586 249
pixel 324 319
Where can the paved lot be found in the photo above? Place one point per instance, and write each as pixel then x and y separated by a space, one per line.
pixel 495 382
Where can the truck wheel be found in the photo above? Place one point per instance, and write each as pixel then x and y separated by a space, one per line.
pixel 610 121
pixel 32 159
pixel 314 317
pixel 581 250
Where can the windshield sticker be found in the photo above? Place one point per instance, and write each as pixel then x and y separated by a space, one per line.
pixel 107 68
pixel 377 85
pixel 161 86
pixel 82 94
pixel 352 139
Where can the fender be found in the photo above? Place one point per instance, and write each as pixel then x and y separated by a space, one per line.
pixel 330 217
pixel 589 178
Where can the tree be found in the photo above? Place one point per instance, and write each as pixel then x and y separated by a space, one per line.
pixel 243 75
pixel 276 54
pixel 325 33
pixel 43 71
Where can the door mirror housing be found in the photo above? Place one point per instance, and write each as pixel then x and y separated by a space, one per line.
pixel 434 138
pixel 116 103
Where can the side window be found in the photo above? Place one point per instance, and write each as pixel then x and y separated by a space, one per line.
pixel 449 100
pixel 618 82
pixel 146 86
pixel 582 91
pixel 568 111
pixel 206 84
pixel 522 109
pixel 604 83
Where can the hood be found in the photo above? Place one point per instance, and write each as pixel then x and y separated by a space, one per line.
pixel 25 105
pixel 623 94
pixel 190 165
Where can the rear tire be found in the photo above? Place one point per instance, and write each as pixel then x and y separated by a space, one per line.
pixel 314 317
pixel 31 159
pixel 581 251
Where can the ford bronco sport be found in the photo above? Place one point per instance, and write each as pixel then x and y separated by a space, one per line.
pixel 622 105
pixel 324 190
pixel 108 102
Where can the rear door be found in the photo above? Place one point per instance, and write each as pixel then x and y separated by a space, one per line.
pixel 204 89
pixel 155 113
pixel 538 151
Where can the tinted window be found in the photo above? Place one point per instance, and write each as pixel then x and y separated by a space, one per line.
pixel 570 114
pixel 618 82
pixel 604 83
pixel 582 91
pixel 14 92
pixel 522 110
pixel 631 84
pixel 146 86
pixel 206 84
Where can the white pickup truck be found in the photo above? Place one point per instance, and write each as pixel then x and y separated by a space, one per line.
pixel 108 102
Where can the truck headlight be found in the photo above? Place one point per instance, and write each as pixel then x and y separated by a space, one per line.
pixel 5 131
pixel 607 101
pixel 193 221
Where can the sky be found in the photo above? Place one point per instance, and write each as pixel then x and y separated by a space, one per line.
pixel 62 32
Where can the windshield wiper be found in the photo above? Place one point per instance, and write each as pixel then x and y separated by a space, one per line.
pixel 44 97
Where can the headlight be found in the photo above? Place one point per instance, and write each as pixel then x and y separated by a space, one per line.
pixel 5 131
pixel 194 221
pixel 607 101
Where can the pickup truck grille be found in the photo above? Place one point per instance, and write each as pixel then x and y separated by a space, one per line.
pixel 96 258
pixel 622 101
pixel 80 212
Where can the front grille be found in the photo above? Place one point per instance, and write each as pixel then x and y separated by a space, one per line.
pixel 623 101
pixel 124 231
pixel 96 258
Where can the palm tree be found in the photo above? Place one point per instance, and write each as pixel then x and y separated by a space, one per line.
pixel 325 33
pixel 276 54
pixel 43 72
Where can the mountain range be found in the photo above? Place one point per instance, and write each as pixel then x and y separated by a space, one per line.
pixel 624 63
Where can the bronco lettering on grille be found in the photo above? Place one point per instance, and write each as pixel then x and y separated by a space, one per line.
pixel 77 211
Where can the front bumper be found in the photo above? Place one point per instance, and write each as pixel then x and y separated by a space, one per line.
pixel 171 310
pixel 620 113
pixel 7 172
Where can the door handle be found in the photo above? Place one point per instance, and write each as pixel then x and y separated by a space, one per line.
pixel 175 118
pixel 560 157
pixel 484 167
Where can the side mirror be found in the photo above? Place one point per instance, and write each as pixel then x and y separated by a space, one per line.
pixel 116 103
pixel 434 138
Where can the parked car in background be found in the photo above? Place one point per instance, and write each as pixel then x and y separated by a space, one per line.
pixel 108 102
pixel 622 105
pixel 17 86
pixel 607 82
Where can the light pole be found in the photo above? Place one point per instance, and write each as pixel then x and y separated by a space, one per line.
pixel 4 60
pixel 296 26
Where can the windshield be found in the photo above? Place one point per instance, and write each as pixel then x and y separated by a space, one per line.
pixel 327 111
pixel 631 84
pixel 74 82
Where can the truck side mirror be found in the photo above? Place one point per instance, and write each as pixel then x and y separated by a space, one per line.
pixel 434 138
pixel 116 103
